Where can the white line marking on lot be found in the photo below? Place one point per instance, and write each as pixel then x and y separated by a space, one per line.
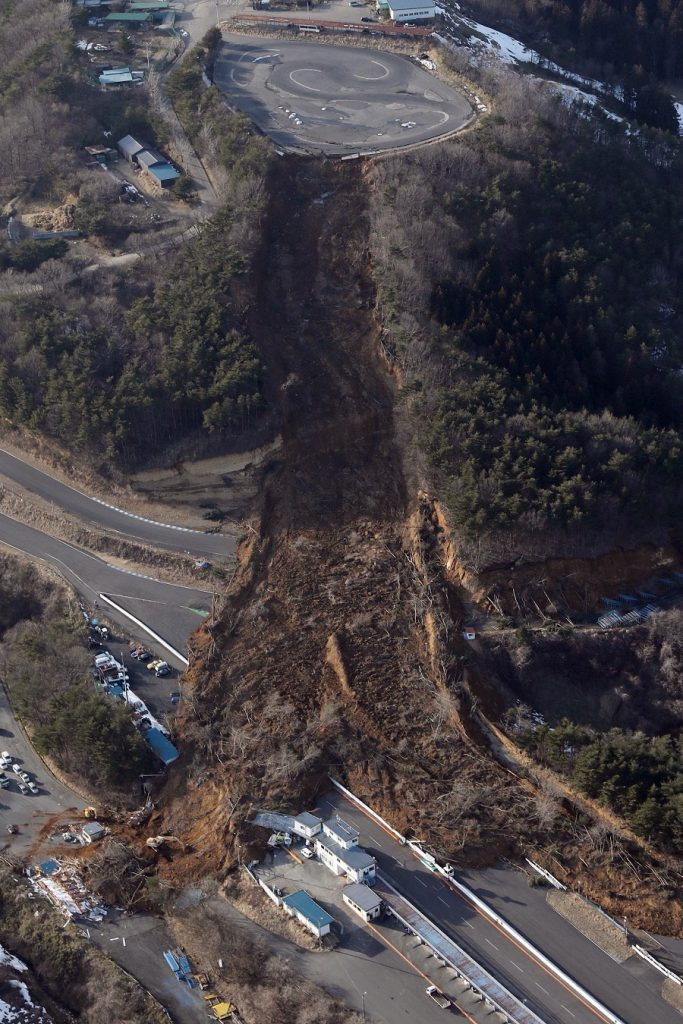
pixel 375 78
pixel 541 988
pixel 441 900
pixel 301 71
pixel 420 880
pixel 568 1010
pixel 520 969
pixel 492 944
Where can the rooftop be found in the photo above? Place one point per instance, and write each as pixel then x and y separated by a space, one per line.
pixel 344 832
pixel 163 172
pixel 161 745
pixel 353 858
pixel 136 16
pixel 307 906
pixel 308 820
pixel 362 896
pixel 93 828
pixel 411 5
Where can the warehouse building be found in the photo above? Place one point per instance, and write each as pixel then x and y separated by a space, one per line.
pixel 406 11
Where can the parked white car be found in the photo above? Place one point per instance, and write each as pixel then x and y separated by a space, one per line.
pixel 307 852
pixel 32 786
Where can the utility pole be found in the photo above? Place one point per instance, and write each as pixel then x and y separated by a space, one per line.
pixel 364 995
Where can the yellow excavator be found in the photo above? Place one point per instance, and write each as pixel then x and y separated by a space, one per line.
pixel 90 813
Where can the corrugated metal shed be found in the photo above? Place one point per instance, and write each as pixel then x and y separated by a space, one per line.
pixel 137 17
pixel 147 158
pixel 128 146
pixel 163 172
pixel 148 5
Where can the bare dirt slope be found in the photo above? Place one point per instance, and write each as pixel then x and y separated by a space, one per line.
pixel 339 647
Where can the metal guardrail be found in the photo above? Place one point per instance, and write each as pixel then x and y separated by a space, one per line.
pixel 430 862
pixel 643 953
pixel 483 983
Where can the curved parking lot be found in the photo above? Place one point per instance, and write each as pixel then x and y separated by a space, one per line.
pixel 336 100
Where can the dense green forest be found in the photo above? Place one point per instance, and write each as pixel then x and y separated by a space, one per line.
pixel 640 777
pixel 533 300
pixel 178 360
pixel 637 38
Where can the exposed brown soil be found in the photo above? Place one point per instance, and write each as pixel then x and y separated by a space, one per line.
pixel 339 647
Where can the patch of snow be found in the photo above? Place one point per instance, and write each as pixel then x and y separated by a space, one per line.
pixel 8 960
pixel 679 111
pixel 26 995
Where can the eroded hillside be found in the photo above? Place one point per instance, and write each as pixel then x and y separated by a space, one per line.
pixel 340 648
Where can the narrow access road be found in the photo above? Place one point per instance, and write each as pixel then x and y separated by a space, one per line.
pixel 109 517
pixel 613 984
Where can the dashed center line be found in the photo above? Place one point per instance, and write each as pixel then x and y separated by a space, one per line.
pixel 520 969
pixel 492 944
pixel 541 988
pixel 442 901
pixel 567 1010
pixel 418 879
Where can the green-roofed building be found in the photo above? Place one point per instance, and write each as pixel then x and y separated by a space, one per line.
pixel 148 5
pixel 129 18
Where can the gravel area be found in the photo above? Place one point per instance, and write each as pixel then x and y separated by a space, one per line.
pixel 591 923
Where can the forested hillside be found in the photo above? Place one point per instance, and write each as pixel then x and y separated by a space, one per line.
pixel 533 300
pixel 636 38
pixel 121 364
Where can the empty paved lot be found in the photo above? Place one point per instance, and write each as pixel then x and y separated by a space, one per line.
pixel 336 100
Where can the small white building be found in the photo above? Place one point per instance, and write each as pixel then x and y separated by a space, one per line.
pixel 307 825
pixel 341 833
pixel 363 900
pixel 406 11
pixel 356 864
pixel 303 907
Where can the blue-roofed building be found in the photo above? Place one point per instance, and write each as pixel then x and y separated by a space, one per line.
pixel 163 174
pixel 161 745
pixel 302 906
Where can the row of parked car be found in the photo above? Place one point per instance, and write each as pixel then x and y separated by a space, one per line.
pixel 24 780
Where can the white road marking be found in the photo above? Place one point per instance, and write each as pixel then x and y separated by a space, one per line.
pixel 541 988
pixel 520 969
pixel 491 943
pixel 420 880
pixel 301 71
pixel 441 900
pixel 568 1010
pixel 375 78
pixel 469 925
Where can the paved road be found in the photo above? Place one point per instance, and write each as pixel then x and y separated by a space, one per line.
pixel 116 520
pixel 336 100
pixel 618 987
pixel 30 813
pixel 146 938
pixel 171 611
pixel 394 993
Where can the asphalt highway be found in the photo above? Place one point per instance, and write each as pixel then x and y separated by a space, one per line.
pixel 109 517
pixel 170 610
pixel 623 991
